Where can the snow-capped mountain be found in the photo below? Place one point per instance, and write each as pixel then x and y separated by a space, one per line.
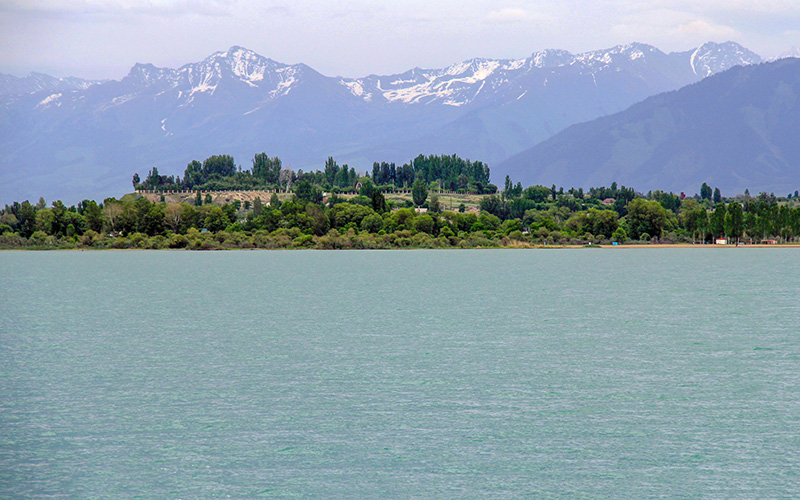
pixel 713 58
pixel 477 79
pixel 38 82
pixel 793 52
pixel 85 139
pixel 236 69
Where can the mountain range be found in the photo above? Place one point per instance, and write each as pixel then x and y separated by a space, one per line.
pixel 735 130
pixel 74 138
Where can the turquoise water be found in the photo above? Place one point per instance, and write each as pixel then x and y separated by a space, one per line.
pixel 615 373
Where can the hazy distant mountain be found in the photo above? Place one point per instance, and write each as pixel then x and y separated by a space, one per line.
pixel 736 130
pixel 72 138
pixel 508 105
pixel 38 82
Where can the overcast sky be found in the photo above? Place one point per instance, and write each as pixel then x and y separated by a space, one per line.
pixel 104 38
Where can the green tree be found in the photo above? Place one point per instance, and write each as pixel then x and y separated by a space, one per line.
pixel 331 171
pixel 751 220
pixel 419 192
pixel 494 205
pixel 221 165
pixel 307 192
pixel 93 215
pixel 367 187
pixel 274 201
pixel 537 193
pixel 193 175
pixel 372 223
pixel 343 214
pixel 136 180
pixel 378 202
pixel 425 224
pixel 693 217
pixel 153 221
pixel 266 168
pixel 602 222
pixel 433 204
pixel 645 217
pixel 717 221
pixel 216 219
pixel 317 219
pixel 26 216
pixel 59 222
pixel 734 221
pixel 508 186
pixel 705 192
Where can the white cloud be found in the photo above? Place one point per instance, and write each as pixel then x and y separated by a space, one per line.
pixel 102 38
pixel 508 15
pixel 112 8
pixel 709 31
pixel 742 6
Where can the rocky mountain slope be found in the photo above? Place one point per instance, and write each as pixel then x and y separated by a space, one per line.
pixel 736 130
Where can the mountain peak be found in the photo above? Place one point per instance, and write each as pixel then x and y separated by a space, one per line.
pixel 792 52
pixel 551 58
pixel 239 53
pixel 676 140
pixel 146 73
pixel 239 62
pixel 712 57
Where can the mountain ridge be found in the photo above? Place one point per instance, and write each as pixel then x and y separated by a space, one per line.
pixel 239 102
pixel 732 130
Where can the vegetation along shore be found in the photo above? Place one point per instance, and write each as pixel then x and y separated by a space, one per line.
pixel 430 202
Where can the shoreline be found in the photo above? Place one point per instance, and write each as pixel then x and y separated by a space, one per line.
pixel 693 245
pixel 511 247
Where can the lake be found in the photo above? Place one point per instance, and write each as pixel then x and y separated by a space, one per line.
pixel 607 373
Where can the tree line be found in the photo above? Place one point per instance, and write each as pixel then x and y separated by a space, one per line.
pixel 311 215
pixel 220 172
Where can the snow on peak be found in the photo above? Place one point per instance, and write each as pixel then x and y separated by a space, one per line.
pixel 617 54
pixel 247 65
pixel 472 70
pixel 237 62
pixel 712 58
pixel 287 78
pixel 51 99
pixel 793 52
pixel 551 58
pixel 241 70
pixel 513 64
pixel 356 88
pixel 147 73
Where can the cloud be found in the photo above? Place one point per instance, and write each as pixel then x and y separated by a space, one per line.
pixel 702 28
pixel 743 6
pixel 116 8
pixel 672 28
pixel 508 15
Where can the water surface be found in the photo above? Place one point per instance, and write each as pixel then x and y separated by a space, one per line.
pixel 614 373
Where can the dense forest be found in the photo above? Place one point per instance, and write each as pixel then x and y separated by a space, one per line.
pixel 219 172
pixel 391 207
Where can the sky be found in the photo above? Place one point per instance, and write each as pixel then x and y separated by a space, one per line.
pixel 103 39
